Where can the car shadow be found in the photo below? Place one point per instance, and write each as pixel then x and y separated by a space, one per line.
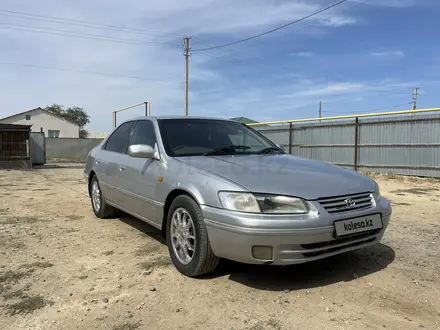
pixel 141 226
pixel 344 267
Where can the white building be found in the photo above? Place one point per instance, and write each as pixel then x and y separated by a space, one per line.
pixel 96 135
pixel 44 121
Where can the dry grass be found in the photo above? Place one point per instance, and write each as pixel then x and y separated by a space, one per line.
pixel 402 203
pixel 17 220
pixel 127 326
pixel 2 289
pixel 12 276
pixel 9 242
pixel 415 191
pixel 274 324
pixel 27 305
pixel 74 217
pixel 13 295
pixel 160 261
pixel 401 178
pixel 147 249
pixel 37 264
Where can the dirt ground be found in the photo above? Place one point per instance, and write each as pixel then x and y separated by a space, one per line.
pixel 63 268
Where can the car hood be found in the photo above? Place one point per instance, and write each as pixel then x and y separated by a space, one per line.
pixel 284 174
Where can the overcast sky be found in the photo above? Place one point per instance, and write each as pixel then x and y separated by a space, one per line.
pixel 359 56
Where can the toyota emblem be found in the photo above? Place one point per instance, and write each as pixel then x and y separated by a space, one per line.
pixel 349 202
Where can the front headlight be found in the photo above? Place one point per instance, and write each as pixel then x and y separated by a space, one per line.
pixel 259 203
pixel 237 201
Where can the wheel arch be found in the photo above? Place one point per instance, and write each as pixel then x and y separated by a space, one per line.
pixel 91 175
pixel 169 200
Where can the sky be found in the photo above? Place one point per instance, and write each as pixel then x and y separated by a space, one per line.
pixel 361 56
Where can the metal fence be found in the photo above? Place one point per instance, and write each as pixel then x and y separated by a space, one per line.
pixel 407 145
pixel 14 146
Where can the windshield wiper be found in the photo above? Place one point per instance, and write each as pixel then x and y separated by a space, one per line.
pixel 268 149
pixel 225 149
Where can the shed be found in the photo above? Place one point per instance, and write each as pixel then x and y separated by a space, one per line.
pixel 14 146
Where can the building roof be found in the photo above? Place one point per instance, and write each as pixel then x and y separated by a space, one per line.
pixel 22 113
pixel 37 109
pixel 244 120
pixel 14 127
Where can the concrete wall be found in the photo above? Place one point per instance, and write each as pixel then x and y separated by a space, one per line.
pixel 69 149
pixel 41 119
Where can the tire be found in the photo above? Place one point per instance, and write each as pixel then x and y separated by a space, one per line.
pixel 102 209
pixel 203 260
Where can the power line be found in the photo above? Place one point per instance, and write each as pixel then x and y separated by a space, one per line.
pixel 87 72
pixel 20 27
pixel 273 30
pixel 286 71
pixel 329 19
pixel 61 20
pixel 356 4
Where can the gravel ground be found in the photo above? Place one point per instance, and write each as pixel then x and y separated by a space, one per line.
pixel 63 268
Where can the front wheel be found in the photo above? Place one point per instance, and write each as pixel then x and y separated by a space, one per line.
pixel 187 238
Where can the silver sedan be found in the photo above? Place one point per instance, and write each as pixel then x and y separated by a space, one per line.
pixel 219 189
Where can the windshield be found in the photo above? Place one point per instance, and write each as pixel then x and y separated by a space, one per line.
pixel 196 137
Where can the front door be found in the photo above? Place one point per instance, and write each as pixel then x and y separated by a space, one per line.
pixel 139 177
pixel 109 162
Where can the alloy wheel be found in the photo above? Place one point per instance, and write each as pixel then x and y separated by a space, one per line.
pixel 183 238
pixel 96 196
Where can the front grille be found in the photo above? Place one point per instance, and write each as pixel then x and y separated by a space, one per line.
pixel 345 203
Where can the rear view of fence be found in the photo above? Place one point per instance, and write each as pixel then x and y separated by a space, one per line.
pixel 407 145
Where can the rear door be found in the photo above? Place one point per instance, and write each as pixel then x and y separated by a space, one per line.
pixel 110 162
pixel 139 179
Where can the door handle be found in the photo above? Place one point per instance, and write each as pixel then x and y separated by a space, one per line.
pixel 97 162
pixel 121 168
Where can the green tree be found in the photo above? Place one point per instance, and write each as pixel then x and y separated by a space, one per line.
pixel 75 115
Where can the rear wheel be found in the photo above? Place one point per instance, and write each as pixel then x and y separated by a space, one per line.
pixel 100 207
pixel 187 238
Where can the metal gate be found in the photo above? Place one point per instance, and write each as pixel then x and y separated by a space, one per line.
pixel 37 145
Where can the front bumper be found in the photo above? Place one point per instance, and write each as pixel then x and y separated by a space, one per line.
pixel 233 235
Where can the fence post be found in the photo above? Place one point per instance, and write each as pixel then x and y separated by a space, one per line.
pixel 356 143
pixel 290 138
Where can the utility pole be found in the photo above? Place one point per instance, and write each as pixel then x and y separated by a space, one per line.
pixel 147 108
pixel 187 54
pixel 320 109
pixel 415 94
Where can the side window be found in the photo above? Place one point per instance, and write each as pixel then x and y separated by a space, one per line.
pixel 144 133
pixel 118 141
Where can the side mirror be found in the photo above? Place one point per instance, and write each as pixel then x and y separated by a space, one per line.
pixel 141 151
